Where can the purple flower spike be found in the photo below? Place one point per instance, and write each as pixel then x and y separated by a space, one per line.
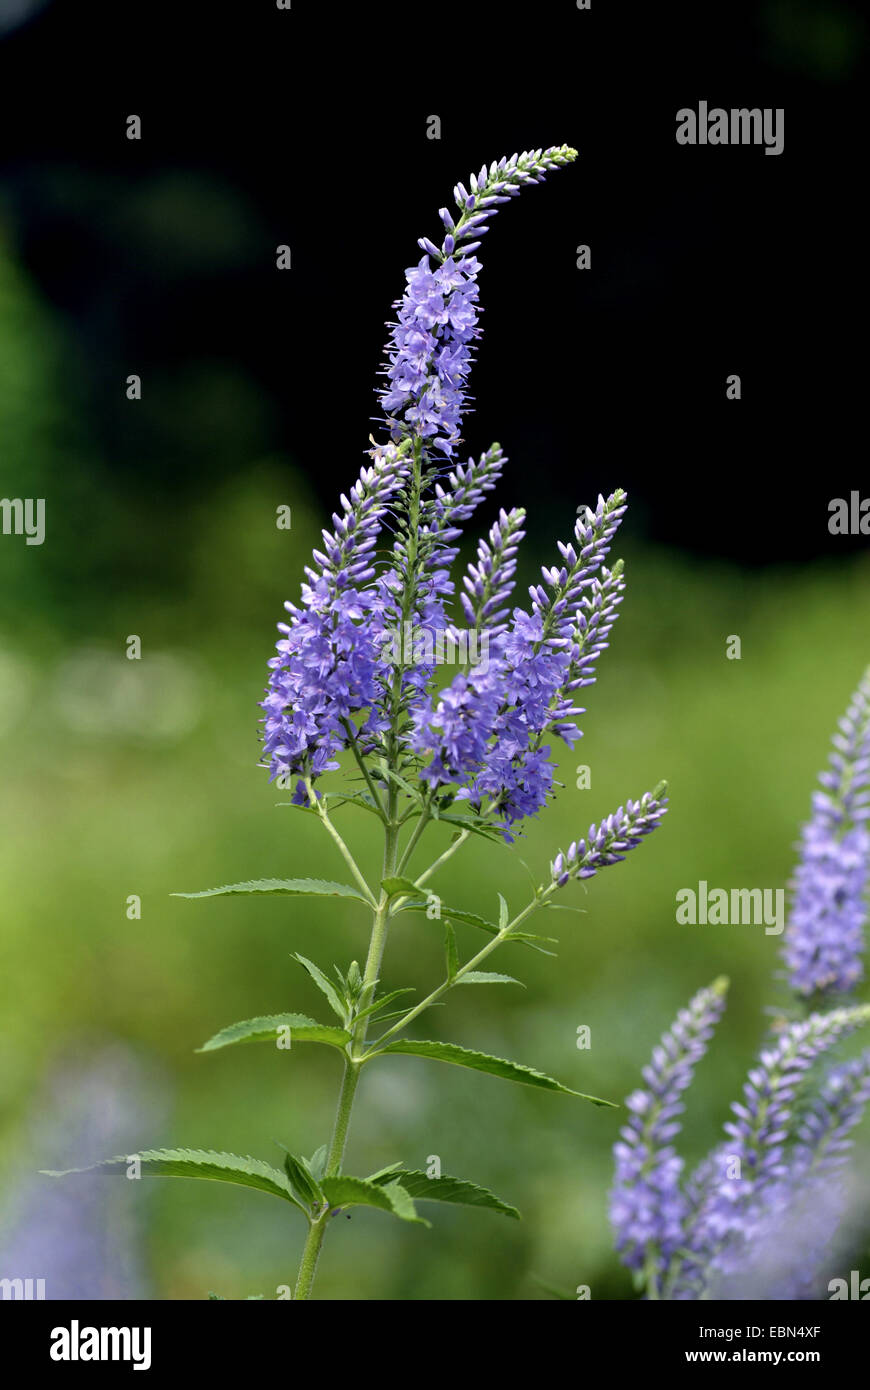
pixel 609 842
pixel 328 663
pixel 489 583
pixel 429 353
pixel 824 943
pixel 647 1207
pixel 559 610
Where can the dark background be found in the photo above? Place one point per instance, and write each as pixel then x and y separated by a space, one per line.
pixel 308 127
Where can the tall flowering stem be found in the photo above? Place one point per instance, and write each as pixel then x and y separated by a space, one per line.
pixel 355 674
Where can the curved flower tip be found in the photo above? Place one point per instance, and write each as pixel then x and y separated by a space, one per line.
pixel 429 352
pixel 608 842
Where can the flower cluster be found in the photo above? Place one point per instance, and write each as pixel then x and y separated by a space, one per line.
pixel 429 350
pixel 824 943
pixel 483 738
pixel 328 663
pixel 484 732
pixel 417 584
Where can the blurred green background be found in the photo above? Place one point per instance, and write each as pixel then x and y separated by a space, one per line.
pixel 139 777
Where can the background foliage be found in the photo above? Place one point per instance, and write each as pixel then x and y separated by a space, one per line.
pixel 140 777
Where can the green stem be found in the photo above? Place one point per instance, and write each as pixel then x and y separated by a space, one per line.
pixel 342 847
pixel 310 1256
pixel 380 926
pixel 451 849
pixel 422 822
pixel 442 858
pixel 360 762
pixel 354 1061
pixel 341 1125
pixel 487 950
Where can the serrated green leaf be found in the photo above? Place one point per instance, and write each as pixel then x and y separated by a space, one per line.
pixel 450 950
pixel 503 914
pixel 403 1204
pixel 284 887
pixel 481 1061
pixel 302 1180
pixel 384 1175
pixel 395 885
pixel 488 977
pixel 197 1163
pixel 349 1192
pixel 419 902
pixel 265 1029
pixel 336 1003
pixel 446 1189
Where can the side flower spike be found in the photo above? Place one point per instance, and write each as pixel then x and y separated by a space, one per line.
pixel 609 842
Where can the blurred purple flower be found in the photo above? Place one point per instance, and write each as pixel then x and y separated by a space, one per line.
pixel 647 1207
pixel 85 1240
pixel 824 942
pixel 748 1177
